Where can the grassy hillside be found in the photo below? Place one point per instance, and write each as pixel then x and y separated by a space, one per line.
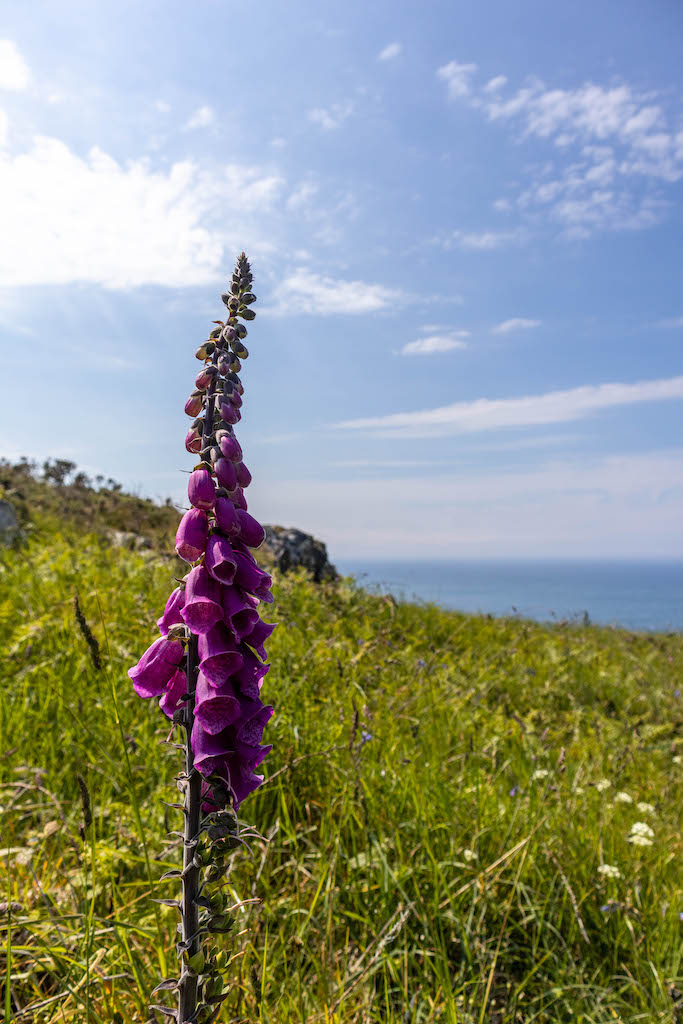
pixel 450 809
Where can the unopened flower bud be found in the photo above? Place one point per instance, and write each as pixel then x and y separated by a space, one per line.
pixel 225 474
pixel 223 363
pixel 229 413
pixel 236 381
pixel 241 330
pixel 247 314
pixel 225 297
pixel 233 304
pixel 193 440
pixel 201 489
pixel 229 334
pixel 243 475
pixel 193 406
pixel 239 349
pixel 205 350
pixel 215 333
pixel 205 376
pixel 248 298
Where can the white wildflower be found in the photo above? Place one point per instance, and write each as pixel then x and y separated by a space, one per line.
pixel 645 808
pixel 602 785
pixel 540 773
pixel 469 855
pixel 623 798
pixel 579 791
pixel 677 759
pixel 609 871
pixel 641 828
pixel 638 840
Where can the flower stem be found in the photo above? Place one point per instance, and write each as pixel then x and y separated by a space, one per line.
pixel 189 911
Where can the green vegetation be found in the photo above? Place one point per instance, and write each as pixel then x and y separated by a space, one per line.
pixel 447 796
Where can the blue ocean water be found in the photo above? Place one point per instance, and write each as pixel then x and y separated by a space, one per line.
pixel 635 595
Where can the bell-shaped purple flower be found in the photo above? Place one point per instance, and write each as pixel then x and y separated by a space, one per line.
pixel 203 606
pixel 226 517
pixel 249 677
pixel 258 636
pixel 220 560
pixel 243 475
pixel 251 532
pixel 215 708
pixel 249 577
pixel 229 445
pixel 156 667
pixel 193 439
pixel 239 612
pixel 236 398
pixel 192 535
pixel 225 474
pixel 172 616
pixel 177 687
pixel 237 498
pixel 219 655
pixel 204 377
pixel 201 489
pixel 229 413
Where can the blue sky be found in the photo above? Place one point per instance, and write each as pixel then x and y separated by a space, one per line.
pixel 465 226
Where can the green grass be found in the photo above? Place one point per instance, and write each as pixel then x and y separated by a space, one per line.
pixel 444 870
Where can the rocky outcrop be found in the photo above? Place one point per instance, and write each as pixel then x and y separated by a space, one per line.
pixel 294 549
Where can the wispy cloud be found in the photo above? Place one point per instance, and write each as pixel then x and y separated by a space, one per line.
pixel 390 51
pixel 482 241
pixel 14 71
pixel 435 343
pixel 202 118
pixel 516 323
pixel 314 294
pixel 608 142
pixel 671 323
pixel 330 118
pixel 531 410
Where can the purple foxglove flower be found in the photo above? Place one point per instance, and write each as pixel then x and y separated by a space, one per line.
pixel 243 475
pixel 156 667
pixel 226 516
pixel 239 612
pixel 193 439
pixel 229 413
pixel 258 636
pixel 205 376
pixel 203 606
pixel 249 577
pixel 251 532
pixel 172 616
pixel 219 655
pixel 237 498
pixel 225 474
pixel 170 702
pixel 229 446
pixel 241 776
pixel 249 677
pixel 220 559
pixel 248 730
pixel 201 489
pixel 193 406
pixel 215 708
pixel 192 535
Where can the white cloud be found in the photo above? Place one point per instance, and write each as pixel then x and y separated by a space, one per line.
pixel 516 323
pixel 94 220
pixel 301 196
pixel 162 106
pixel 434 343
pixel 494 84
pixel 14 71
pixel 201 118
pixel 673 323
pixel 457 78
pixel 390 51
pixel 4 127
pixel 305 292
pixel 614 144
pixel 278 142
pixel 480 240
pixel 330 118
pixel 531 410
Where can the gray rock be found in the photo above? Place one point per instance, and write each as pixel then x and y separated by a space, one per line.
pixel 294 549
pixel 9 525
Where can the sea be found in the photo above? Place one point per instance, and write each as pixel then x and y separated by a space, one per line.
pixel 644 596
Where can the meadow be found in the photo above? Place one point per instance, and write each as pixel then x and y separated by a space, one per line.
pixel 465 819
